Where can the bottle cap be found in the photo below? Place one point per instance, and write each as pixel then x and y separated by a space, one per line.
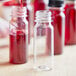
pixel 56 3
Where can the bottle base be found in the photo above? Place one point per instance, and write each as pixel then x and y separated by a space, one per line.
pixel 42 68
pixel 18 62
pixel 58 53
pixel 70 44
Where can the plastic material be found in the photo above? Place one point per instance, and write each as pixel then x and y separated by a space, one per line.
pixel 18 36
pixel 70 23
pixel 43 22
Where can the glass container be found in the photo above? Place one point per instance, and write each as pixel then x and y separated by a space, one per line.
pixel 42 59
pixel 18 35
pixel 70 22
pixel 58 22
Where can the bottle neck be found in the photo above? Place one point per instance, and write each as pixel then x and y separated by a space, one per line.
pixel 19 12
pixel 43 16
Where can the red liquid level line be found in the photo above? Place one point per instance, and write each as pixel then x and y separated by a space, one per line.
pixel 18 54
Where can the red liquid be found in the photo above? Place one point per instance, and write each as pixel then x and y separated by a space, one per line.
pixel 70 25
pixel 57 23
pixel 39 5
pixel 8 3
pixel 18 54
pixel 13 2
pixel 18 51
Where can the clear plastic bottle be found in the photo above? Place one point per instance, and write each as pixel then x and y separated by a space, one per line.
pixel 70 22
pixel 18 35
pixel 43 60
pixel 58 22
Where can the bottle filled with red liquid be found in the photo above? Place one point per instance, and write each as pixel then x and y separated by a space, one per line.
pixel 58 22
pixel 70 22
pixel 18 36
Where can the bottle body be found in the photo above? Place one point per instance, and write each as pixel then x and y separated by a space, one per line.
pixel 40 42
pixel 59 25
pixel 70 23
pixel 18 39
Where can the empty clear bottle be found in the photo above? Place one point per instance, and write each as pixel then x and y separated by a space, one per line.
pixel 42 59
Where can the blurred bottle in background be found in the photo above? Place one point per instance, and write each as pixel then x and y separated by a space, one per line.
pixel 70 22
pixel 39 5
pixel 58 22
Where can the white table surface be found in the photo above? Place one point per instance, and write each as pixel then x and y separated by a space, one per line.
pixel 64 65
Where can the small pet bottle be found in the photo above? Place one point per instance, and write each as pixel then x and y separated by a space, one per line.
pixel 70 22
pixel 18 35
pixel 58 22
pixel 43 60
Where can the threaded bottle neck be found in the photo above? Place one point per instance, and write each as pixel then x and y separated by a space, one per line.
pixel 18 11
pixel 43 16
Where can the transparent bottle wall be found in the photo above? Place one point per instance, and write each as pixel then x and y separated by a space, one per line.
pixel 43 55
pixel 58 22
